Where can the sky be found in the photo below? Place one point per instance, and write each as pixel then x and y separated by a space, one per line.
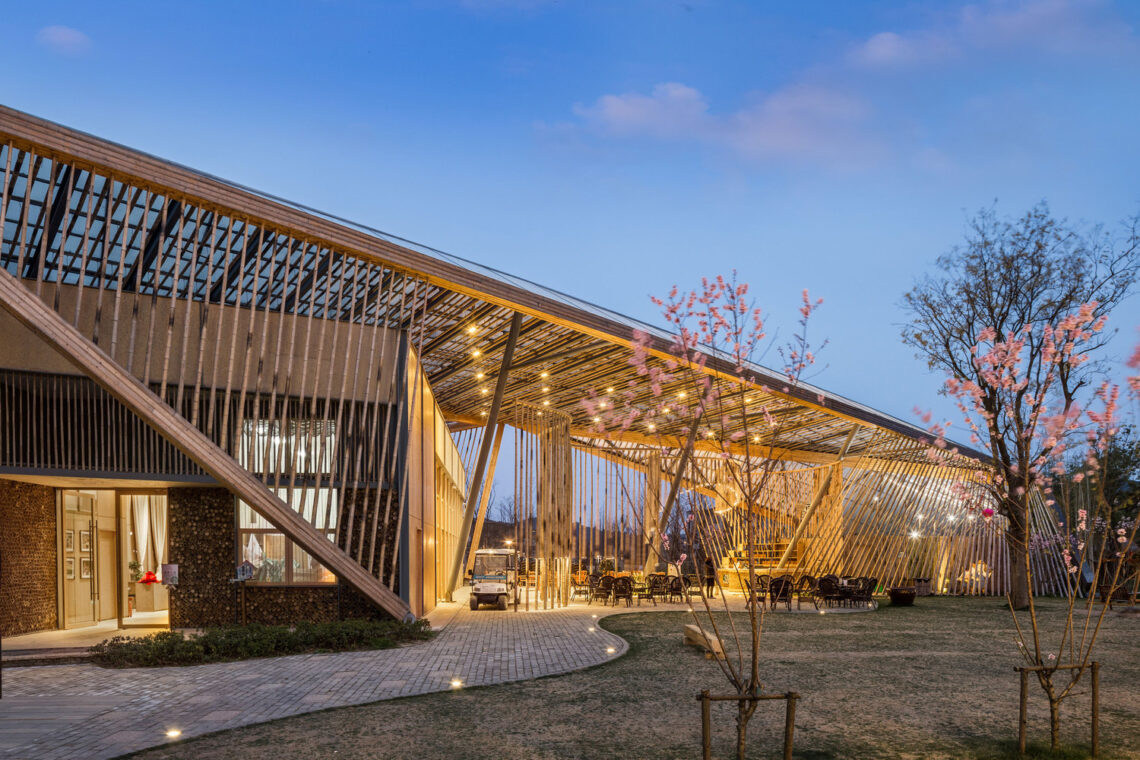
pixel 612 150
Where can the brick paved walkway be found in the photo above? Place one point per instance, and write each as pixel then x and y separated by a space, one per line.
pixel 70 711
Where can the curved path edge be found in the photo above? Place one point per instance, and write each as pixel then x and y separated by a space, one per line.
pixel 82 710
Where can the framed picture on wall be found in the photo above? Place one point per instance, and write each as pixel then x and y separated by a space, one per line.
pixel 69 568
pixel 69 541
pixel 84 540
pixel 84 567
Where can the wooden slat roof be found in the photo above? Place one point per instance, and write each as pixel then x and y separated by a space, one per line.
pixel 567 348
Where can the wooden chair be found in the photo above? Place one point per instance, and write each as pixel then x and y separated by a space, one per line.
pixel 603 589
pixel 780 591
pixel 759 594
pixel 678 591
pixel 658 586
pixel 827 591
pixel 623 589
pixel 864 591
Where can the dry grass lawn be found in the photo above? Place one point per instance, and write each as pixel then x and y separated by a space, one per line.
pixel 932 681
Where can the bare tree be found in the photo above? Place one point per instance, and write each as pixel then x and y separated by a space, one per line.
pixel 1019 278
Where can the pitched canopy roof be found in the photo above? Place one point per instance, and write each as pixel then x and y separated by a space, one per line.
pixel 567 346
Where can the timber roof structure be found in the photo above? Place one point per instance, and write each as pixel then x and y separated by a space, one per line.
pixel 460 318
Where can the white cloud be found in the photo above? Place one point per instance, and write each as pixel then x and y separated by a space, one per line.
pixel 1064 27
pixel 849 113
pixel 64 40
pixel 889 49
pixel 672 111
pixel 798 123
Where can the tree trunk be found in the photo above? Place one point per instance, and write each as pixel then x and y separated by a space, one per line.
pixel 1054 723
pixel 744 710
pixel 1017 542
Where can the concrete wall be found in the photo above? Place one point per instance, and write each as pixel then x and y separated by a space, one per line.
pixel 28 550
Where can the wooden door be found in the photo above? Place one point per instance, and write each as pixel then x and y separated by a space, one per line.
pixel 105 575
pixel 77 561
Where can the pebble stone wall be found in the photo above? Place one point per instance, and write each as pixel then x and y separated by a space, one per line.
pixel 28 545
pixel 201 530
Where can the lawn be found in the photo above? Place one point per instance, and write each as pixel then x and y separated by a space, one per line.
pixel 932 681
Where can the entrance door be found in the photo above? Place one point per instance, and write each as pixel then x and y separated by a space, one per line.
pixel 80 547
pixel 105 573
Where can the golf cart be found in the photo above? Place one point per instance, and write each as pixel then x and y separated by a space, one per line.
pixel 494 578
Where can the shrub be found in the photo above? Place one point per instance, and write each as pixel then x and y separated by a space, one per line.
pixel 244 642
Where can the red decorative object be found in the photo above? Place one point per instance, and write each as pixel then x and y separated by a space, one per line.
pixel 148 578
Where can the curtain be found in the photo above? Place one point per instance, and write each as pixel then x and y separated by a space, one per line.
pixel 158 529
pixel 140 514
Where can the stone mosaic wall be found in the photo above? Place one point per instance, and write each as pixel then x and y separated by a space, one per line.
pixel 200 525
pixel 201 528
pixel 28 545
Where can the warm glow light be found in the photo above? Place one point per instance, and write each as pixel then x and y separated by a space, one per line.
pixel 509 542
pixel 476 354
pixel 665 410
pixel 610 650
pixel 593 616
pixel 919 517
pixel 950 518
pixel 914 534
pixel 709 434
pixel 610 389
pixel 546 389
pixel 479 375
pixel 472 330
pixel 681 394
pixel 756 439
pixel 173 733
pixel 602 404
pixel 482 414
pixel 652 427
pixel 484 391
pixel 597 419
pixel 456 683
pixel 545 375
pixel 590 629
pixel 546 402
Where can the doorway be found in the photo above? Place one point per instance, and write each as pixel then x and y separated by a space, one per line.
pixel 78 559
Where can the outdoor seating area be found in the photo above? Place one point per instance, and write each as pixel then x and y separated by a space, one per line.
pixel 770 593
pixel 611 587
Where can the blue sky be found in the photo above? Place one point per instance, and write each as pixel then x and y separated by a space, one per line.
pixel 613 149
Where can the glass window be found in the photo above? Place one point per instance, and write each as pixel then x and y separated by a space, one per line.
pixel 306 448
pixel 275 558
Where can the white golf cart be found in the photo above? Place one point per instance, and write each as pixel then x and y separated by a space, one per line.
pixel 494 578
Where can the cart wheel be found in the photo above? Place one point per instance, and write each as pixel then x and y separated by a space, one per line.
pixel 502 604
pixel 474 603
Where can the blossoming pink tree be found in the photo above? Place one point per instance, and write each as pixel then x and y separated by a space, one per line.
pixel 701 401
pixel 1022 408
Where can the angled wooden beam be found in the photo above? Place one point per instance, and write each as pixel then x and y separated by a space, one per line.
pixel 96 364
pixel 474 490
pixel 486 497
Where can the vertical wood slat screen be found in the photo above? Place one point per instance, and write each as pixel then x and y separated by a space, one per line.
pixel 285 352
pixel 894 519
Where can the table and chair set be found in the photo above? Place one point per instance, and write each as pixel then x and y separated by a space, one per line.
pixel 770 593
pixel 609 589
pixel 823 592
